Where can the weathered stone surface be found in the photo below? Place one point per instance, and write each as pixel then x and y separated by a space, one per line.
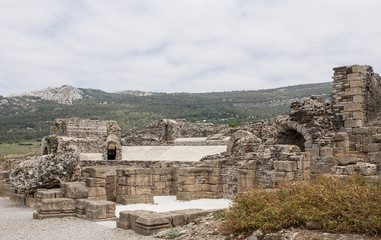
pixel 347 159
pixel 97 210
pixel 56 205
pixel 74 190
pixel 45 171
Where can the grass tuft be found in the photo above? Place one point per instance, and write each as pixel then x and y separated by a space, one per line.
pixel 337 205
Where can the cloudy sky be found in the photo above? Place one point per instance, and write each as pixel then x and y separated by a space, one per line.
pixel 183 45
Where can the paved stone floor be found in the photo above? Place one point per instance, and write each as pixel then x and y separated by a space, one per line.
pixel 16 222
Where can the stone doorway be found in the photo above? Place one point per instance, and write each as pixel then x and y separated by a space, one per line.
pixel 292 137
pixel 111 152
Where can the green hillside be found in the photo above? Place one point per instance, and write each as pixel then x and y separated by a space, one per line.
pixel 29 118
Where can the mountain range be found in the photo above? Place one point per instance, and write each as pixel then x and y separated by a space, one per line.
pixel 28 116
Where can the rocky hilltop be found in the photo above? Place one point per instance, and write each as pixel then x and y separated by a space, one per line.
pixel 65 94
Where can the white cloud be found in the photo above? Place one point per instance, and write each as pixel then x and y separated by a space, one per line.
pixel 189 45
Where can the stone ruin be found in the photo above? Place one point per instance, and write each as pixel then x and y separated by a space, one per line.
pixel 337 137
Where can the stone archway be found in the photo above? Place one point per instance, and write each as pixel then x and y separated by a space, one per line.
pixel 293 133
pixel 234 138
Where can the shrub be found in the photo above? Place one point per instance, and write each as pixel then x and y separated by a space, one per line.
pixel 349 205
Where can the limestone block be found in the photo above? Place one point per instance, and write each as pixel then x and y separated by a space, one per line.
pixel 357 84
pixel 358 69
pixel 326 152
pixel 372 147
pixel 339 150
pixel 374 157
pixel 160 185
pixel 5 189
pixel 44 194
pixel 110 179
pixel 124 220
pixel 140 190
pixel 175 219
pixel 132 199
pixel 74 190
pixel 186 196
pixel 284 176
pixel 346 160
pixel 186 180
pixel 95 182
pixel 17 198
pixel 354 77
pixel 313 151
pixel 96 210
pixel 97 192
pixel 124 190
pixel 376 138
pixel 352 107
pixel 285 166
pixel 96 172
pixel 56 205
pixel 353 123
pixel 192 188
pixel 367 169
pixel 359 115
pixel 151 224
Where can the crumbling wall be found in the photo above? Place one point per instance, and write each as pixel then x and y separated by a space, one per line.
pixel 90 136
pixel 165 131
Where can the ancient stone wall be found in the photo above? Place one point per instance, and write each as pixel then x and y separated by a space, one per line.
pixel 165 131
pixel 90 136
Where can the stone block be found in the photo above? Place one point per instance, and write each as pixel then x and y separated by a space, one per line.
pixel 374 157
pixel 326 152
pixel 95 182
pixel 56 205
pixel 376 138
pixel 352 107
pixel 190 215
pixel 186 196
pixel 44 194
pixel 358 99
pixel 285 166
pixel 141 190
pixel 346 160
pixel 352 91
pixel 357 69
pixel 313 151
pixel 132 199
pixel 96 172
pixel 284 176
pixel 160 185
pixel 187 180
pixel 367 169
pixel 175 219
pixel 96 192
pixel 96 210
pixel 74 190
pixel 359 115
pixel 356 123
pixel 17 198
pixel 356 84
pixel 372 147
pixel 150 225
pixel 192 188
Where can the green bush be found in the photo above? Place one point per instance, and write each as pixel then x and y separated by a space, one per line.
pixel 350 205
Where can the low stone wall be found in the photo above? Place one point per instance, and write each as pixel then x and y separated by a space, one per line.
pixel 147 222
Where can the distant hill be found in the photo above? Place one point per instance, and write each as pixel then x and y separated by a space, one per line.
pixel 28 116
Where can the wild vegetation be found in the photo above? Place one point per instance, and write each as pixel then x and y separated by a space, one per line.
pixel 18 150
pixel 29 118
pixel 337 205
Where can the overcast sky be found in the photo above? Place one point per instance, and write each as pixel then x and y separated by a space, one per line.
pixel 183 45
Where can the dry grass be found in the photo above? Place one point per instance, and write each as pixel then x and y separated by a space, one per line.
pixel 351 205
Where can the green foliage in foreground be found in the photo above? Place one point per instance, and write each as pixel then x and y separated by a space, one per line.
pixel 18 149
pixel 351 205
